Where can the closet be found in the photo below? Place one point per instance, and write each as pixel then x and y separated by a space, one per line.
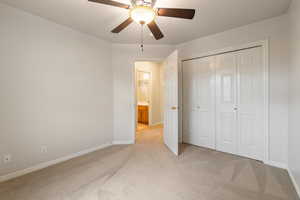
pixel 224 102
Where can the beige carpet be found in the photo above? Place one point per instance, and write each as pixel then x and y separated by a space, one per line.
pixel 149 171
pixel 141 127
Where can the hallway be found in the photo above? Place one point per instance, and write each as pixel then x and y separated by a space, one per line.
pixel 149 135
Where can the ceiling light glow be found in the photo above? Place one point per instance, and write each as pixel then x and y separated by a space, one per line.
pixel 142 14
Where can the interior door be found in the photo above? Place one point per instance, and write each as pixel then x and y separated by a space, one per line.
pixel 199 102
pixel 251 117
pixel 171 135
pixel 226 104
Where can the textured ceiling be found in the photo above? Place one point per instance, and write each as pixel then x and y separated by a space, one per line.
pixel 212 16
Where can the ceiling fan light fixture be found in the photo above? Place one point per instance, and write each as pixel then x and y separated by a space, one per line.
pixel 142 14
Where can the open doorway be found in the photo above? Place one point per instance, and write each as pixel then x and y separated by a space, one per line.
pixel 149 95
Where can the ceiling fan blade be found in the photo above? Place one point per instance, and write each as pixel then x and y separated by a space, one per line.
pixel 176 12
pixel 155 30
pixel 111 3
pixel 119 28
pixel 153 2
pixel 133 2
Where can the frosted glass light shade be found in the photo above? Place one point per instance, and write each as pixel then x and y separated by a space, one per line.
pixel 142 14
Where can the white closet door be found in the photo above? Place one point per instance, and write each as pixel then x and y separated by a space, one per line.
pixel 226 105
pixel 199 102
pixel 251 118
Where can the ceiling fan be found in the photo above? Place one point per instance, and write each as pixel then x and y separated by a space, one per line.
pixel 144 12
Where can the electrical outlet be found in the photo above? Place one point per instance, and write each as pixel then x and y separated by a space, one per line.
pixel 44 149
pixel 6 158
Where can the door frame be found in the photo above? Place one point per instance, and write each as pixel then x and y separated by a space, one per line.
pixel 134 86
pixel 150 96
pixel 265 46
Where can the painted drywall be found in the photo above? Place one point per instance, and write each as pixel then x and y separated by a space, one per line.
pixel 56 90
pixel 294 91
pixel 123 58
pixel 154 69
pixel 275 30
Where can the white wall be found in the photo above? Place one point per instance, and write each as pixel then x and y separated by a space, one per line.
pixel 123 59
pixel 276 31
pixel 154 69
pixel 56 90
pixel 294 98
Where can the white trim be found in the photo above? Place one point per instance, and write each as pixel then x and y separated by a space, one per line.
pixel 121 142
pixel 150 99
pixel 228 49
pixel 50 163
pixel 180 101
pixel 276 164
pixel 265 45
pixel 297 188
pixel 266 58
pixel 135 116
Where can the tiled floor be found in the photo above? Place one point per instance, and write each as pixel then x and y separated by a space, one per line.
pixel 149 171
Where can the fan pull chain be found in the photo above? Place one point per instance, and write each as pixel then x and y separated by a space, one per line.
pixel 142 38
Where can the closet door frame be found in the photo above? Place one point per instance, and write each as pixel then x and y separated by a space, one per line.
pixel 264 44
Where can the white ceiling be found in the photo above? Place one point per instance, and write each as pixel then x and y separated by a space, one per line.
pixel 212 16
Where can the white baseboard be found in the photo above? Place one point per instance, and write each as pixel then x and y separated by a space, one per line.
pixel 297 188
pixel 276 164
pixel 119 142
pixel 50 163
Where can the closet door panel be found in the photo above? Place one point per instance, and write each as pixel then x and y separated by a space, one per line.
pixel 206 101
pixel 199 102
pixel 251 103
pixel 190 115
pixel 226 116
